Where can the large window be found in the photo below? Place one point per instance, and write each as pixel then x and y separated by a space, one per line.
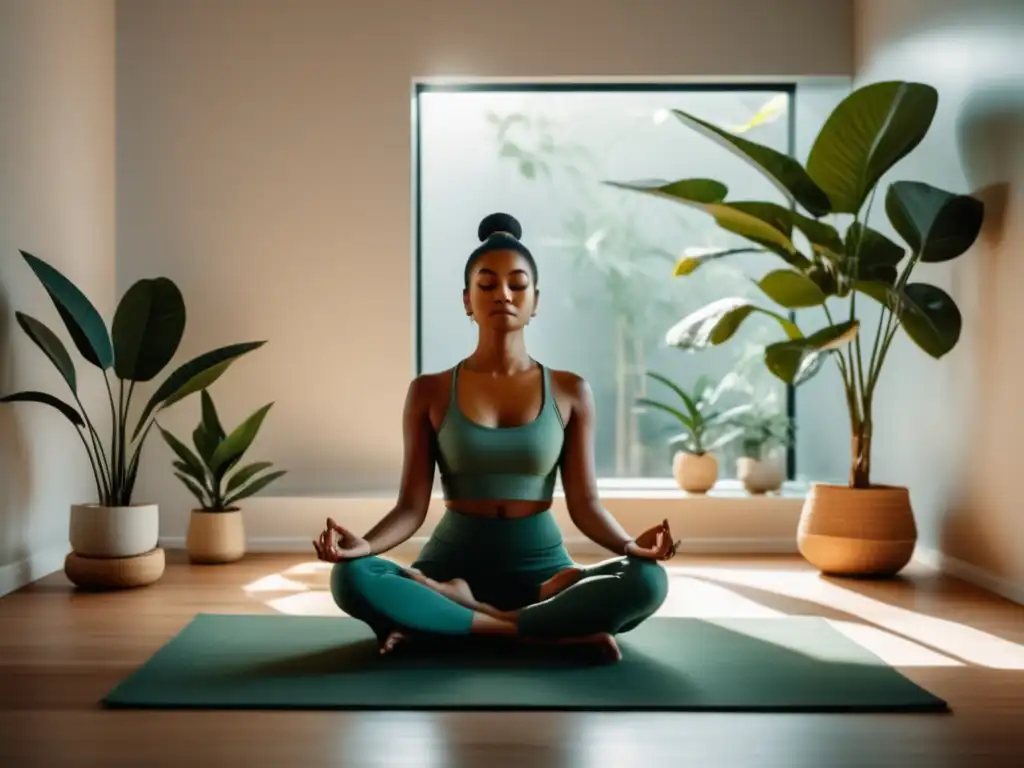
pixel 605 255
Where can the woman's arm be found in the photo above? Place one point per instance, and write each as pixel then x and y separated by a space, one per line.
pixel 417 481
pixel 578 480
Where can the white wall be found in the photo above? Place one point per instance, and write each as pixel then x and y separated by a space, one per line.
pixel 57 202
pixel 264 163
pixel 951 429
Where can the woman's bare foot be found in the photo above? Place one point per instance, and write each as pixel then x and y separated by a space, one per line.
pixel 393 640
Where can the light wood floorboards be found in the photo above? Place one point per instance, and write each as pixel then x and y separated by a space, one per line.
pixel 61 650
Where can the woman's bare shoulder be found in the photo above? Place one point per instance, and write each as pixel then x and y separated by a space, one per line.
pixel 571 388
pixel 430 390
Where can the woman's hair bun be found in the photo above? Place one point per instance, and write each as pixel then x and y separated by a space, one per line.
pixel 499 222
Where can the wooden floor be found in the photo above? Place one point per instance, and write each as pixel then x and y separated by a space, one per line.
pixel 61 650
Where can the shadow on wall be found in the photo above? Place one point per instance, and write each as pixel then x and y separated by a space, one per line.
pixel 990 132
pixel 15 467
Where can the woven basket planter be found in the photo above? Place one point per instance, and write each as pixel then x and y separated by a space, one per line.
pixel 847 531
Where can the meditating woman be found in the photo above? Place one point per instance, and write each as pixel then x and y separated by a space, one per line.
pixel 499 426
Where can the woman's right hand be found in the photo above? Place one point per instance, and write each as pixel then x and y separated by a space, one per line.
pixel 336 544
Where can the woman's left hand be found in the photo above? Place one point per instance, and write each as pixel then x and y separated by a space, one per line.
pixel 655 543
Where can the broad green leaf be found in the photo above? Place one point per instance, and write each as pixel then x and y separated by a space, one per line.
pixel 245 474
pixel 194 463
pixel 799 360
pixel 823 237
pixel 257 485
pixel 195 375
pixel 205 444
pixel 52 347
pixel 689 264
pixel 792 290
pixel 46 399
pixel 927 313
pixel 184 468
pixel 237 443
pixel 687 400
pixel 194 489
pixel 83 321
pixel 788 176
pixel 698 191
pixel 147 329
pixel 877 256
pixel 756 221
pixel 936 224
pixel 718 321
pixel 685 420
pixel 867 134
pixel 211 421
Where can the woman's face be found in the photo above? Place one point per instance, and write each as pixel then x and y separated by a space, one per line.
pixel 501 292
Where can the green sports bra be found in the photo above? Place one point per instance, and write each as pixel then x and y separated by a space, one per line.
pixel 500 463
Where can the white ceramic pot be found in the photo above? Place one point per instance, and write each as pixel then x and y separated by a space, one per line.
pixel 98 531
pixel 215 537
pixel 693 473
pixel 761 476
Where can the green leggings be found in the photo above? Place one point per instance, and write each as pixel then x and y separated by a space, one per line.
pixel 504 562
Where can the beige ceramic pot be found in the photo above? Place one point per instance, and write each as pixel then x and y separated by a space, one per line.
pixel 693 473
pixel 761 476
pixel 98 531
pixel 847 531
pixel 215 537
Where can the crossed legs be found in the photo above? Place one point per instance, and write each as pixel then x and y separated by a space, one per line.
pixel 588 604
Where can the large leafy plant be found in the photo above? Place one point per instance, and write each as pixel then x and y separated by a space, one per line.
pixel 705 426
pixel 207 472
pixel 148 326
pixel 870 131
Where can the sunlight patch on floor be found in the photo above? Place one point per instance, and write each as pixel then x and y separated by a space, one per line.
pixel 958 640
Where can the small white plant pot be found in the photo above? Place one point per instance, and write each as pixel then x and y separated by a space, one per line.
pixel 215 537
pixel 761 476
pixel 695 473
pixel 99 531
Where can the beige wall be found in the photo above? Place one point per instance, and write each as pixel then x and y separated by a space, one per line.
pixel 56 201
pixel 264 163
pixel 952 428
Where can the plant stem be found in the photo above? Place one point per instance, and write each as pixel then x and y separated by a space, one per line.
pixel 860 466
pixel 100 453
pixel 92 463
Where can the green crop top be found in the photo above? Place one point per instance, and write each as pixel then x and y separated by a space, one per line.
pixel 500 463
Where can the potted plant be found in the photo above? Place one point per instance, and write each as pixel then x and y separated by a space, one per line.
pixel 215 531
pixel 694 464
pixel 147 328
pixel 859 528
pixel 764 434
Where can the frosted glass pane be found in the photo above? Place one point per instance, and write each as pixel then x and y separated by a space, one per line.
pixel 607 295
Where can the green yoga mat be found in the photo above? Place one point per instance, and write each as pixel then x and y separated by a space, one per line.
pixel 293 662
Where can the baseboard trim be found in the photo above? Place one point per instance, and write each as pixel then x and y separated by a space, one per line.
pixel 22 573
pixel 973 574
pixel 575 545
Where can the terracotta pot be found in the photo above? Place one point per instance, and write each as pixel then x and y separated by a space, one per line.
pixel 761 476
pixel 693 473
pixel 215 537
pixel 847 531
pixel 98 531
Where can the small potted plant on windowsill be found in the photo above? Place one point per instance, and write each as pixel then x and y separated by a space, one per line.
pixel 216 533
pixel 766 433
pixel 705 430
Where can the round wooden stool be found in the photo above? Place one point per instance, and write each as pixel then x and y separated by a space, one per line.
pixel 115 572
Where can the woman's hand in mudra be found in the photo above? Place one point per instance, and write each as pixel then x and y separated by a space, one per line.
pixel 655 543
pixel 336 544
